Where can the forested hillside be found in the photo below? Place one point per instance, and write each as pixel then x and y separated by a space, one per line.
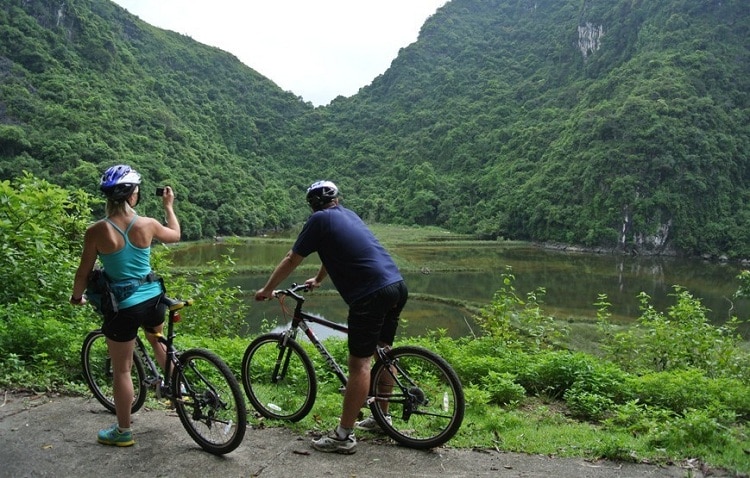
pixel 84 85
pixel 620 124
pixel 616 124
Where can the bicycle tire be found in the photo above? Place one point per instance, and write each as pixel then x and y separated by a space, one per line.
pixel 209 401
pixel 276 391
pixel 97 371
pixel 432 410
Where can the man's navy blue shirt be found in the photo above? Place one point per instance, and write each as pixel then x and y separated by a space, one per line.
pixel 354 259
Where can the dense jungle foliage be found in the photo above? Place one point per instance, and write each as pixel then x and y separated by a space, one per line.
pixel 670 389
pixel 620 124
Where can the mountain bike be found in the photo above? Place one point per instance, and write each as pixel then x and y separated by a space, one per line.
pixel 201 387
pixel 415 396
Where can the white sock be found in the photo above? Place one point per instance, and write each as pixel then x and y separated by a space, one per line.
pixel 342 433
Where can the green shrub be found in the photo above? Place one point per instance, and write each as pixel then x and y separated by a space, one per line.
pixel 683 338
pixel 614 448
pixel 694 429
pixel 45 341
pixel 476 397
pixel 519 322
pixel 553 373
pixel 502 388
pixel 475 362
pixel 41 227
pixel 735 395
pixel 218 310
pixel 683 390
pixel 637 419
pixel 677 390
pixel 587 405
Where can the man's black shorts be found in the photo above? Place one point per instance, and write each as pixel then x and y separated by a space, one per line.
pixel 373 319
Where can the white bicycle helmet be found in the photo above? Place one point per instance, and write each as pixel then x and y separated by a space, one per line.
pixel 119 182
pixel 321 193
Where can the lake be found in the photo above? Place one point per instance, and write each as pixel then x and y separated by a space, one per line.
pixel 472 272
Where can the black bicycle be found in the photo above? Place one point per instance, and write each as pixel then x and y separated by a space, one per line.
pixel 415 396
pixel 204 391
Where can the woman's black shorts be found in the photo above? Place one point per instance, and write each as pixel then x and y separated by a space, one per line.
pixel 123 326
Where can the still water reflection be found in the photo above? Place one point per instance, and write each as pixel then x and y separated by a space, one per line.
pixel 473 272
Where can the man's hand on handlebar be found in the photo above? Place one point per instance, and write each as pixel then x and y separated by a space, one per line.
pixel 263 294
pixel 312 283
pixel 268 294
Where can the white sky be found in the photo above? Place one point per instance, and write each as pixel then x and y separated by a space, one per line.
pixel 317 49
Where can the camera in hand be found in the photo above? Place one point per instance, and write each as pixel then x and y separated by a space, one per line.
pixel 160 191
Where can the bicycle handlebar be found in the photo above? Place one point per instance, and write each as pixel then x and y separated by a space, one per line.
pixel 292 291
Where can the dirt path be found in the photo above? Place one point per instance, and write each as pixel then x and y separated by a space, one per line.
pixel 55 436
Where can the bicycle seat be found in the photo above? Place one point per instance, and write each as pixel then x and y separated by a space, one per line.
pixel 175 304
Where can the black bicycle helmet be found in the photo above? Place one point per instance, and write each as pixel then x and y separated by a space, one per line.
pixel 119 182
pixel 321 193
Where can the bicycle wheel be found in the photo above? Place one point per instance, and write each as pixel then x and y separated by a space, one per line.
pixel 97 371
pixel 426 404
pixel 209 401
pixel 279 380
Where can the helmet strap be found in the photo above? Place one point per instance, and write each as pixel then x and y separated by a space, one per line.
pixel 137 190
pixel 319 205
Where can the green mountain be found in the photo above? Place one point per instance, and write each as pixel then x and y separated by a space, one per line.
pixel 84 85
pixel 614 125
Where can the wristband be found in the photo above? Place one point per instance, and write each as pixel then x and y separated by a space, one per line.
pixel 74 300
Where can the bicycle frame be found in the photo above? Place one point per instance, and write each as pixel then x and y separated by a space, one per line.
pixel 301 321
pixel 414 394
pixel 154 379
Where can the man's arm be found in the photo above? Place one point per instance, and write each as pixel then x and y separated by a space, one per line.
pixel 281 272
pixel 314 282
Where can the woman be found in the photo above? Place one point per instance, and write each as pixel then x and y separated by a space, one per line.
pixel 122 241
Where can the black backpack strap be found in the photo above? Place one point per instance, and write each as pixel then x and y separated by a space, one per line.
pixel 150 277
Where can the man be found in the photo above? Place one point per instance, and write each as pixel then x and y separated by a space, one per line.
pixel 369 282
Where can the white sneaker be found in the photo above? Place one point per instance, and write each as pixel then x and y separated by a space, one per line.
pixel 370 425
pixel 333 444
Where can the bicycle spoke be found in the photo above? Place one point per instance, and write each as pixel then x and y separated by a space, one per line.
pixel 209 403
pixel 280 383
pixel 423 396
